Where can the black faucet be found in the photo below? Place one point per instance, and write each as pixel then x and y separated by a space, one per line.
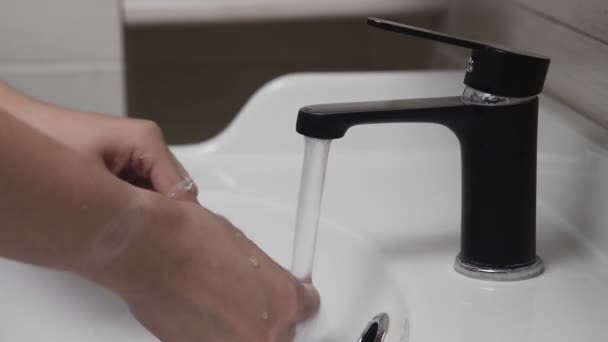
pixel 495 121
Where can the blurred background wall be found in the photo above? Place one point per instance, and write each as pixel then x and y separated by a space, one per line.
pixel 191 65
pixel 573 33
pixel 193 73
pixel 192 79
pixel 67 52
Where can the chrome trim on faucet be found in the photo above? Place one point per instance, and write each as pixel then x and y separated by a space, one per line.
pixel 499 274
pixel 478 97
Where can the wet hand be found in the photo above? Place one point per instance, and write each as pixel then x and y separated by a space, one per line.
pixel 132 149
pixel 193 276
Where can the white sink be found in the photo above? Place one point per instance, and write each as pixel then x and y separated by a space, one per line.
pixel 390 225
pixel 398 186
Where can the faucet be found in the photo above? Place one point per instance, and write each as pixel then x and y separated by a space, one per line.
pixel 495 121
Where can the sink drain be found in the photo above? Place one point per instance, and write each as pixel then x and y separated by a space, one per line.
pixel 376 329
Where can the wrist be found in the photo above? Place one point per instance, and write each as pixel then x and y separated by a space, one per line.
pixel 125 260
pixel 14 102
pixel 106 256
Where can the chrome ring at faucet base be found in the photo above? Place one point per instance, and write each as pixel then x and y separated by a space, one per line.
pixel 499 274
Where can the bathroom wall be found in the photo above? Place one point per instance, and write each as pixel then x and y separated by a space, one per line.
pixel 573 33
pixel 573 171
pixel 193 79
pixel 68 52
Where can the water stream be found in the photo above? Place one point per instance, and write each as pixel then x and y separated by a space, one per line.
pixel 305 240
pixel 307 223
pixel 309 207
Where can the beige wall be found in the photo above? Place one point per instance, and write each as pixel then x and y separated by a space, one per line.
pixel 67 52
pixel 573 33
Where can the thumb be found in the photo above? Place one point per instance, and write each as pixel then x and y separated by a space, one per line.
pixel 169 178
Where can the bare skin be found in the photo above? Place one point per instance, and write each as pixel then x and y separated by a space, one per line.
pixel 69 202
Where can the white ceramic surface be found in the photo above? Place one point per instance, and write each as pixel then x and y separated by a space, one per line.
pixel 171 11
pixel 394 186
pixel 399 186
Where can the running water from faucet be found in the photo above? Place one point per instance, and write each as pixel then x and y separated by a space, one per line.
pixel 316 152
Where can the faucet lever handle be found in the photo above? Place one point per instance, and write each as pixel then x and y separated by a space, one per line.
pixel 424 33
pixel 493 69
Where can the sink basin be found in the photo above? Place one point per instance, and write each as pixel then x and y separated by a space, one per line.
pixel 353 280
pixel 397 186
pixel 351 276
pixel 389 230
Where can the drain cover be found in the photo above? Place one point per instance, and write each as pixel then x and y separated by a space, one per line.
pixel 376 329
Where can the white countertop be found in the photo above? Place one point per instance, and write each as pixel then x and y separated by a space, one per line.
pixel 206 11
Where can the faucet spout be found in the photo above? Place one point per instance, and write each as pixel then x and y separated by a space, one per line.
pixel 498 152
pixel 331 121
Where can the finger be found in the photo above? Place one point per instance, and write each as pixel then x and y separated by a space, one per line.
pixel 309 302
pixel 169 178
pixel 133 177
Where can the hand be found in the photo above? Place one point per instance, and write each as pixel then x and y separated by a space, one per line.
pixel 186 273
pixel 191 276
pixel 132 149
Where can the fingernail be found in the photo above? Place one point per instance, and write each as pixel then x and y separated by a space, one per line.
pixel 185 186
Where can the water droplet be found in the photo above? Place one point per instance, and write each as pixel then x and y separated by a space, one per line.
pixel 265 316
pixel 255 262
pixel 182 187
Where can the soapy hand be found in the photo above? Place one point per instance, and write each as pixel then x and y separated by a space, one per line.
pixel 132 149
pixel 192 276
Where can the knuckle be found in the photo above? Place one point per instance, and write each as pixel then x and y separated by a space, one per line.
pixel 150 128
pixel 194 190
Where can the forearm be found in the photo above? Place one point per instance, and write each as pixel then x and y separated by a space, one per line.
pixel 56 122
pixel 132 149
pixel 21 106
pixel 64 206
pixel 57 206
